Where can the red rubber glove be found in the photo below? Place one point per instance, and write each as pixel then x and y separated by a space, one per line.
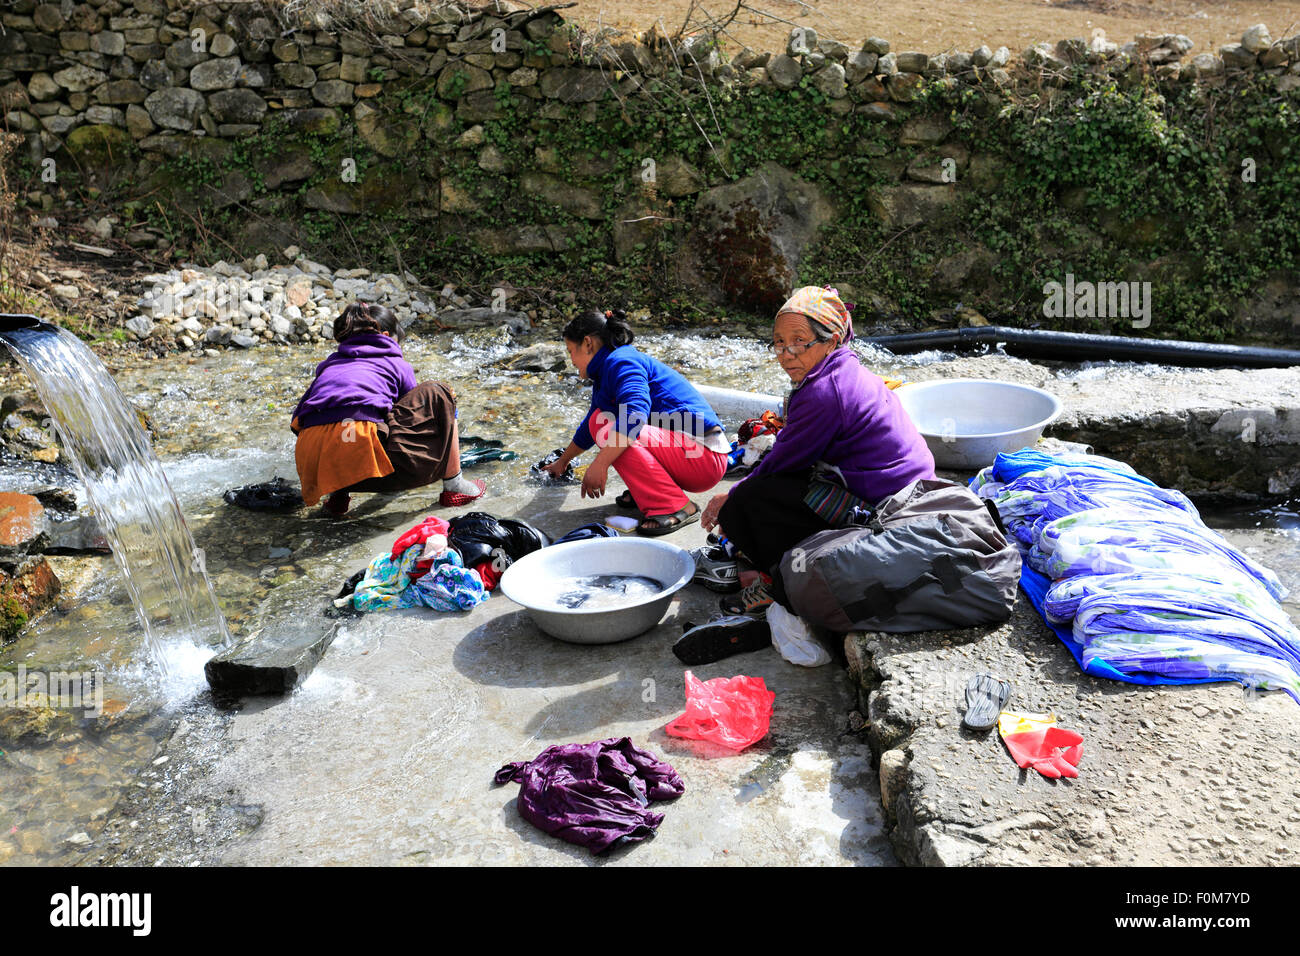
pixel 1034 740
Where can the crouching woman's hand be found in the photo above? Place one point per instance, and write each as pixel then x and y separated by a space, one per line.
pixel 709 520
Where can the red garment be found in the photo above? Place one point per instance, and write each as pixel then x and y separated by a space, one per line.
pixel 420 534
pixel 488 574
pixel 660 464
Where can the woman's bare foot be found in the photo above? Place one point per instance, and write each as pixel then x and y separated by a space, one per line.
pixel 338 503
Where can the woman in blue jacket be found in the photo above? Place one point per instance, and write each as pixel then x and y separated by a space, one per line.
pixel 650 423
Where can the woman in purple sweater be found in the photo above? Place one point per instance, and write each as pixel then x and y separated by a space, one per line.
pixel 365 424
pixel 839 415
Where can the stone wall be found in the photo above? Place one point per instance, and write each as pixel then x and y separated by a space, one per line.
pixel 121 88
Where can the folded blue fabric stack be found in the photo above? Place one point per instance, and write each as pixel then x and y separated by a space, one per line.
pixel 1133 582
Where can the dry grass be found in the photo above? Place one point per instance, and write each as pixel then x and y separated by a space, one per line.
pixel 934 27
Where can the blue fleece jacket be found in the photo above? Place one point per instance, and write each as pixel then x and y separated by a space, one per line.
pixel 638 390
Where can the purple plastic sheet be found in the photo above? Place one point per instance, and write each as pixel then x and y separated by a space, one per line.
pixel 596 795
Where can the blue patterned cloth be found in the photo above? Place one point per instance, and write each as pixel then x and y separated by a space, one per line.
pixel 448 585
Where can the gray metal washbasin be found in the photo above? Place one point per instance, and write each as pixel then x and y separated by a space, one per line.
pixel 967 422
pixel 536 579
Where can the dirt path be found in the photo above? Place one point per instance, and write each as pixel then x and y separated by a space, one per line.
pixel 962 24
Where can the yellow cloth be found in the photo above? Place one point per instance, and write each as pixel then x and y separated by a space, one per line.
pixel 335 456
pixel 823 307
pixel 893 383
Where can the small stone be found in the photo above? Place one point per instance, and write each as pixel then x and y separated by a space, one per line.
pixel 1256 39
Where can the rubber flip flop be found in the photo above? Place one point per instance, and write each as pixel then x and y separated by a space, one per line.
pixel 986 695
pixel 652 526
pixel 626 501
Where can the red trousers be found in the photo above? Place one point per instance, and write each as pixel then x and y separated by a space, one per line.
pixel 660 465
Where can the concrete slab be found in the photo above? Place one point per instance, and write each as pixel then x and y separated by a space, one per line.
pixel 386 753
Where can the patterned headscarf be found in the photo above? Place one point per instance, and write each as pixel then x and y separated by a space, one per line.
pixel 821 306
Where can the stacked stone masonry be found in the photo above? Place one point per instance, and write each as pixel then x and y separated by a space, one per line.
pixel 159 71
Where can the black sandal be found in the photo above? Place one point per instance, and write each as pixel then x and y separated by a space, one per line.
pixel 652 526
pixel 626 501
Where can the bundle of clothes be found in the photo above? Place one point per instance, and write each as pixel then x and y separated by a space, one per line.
pixel 1133 582
pixel 450 565
pixel 754 440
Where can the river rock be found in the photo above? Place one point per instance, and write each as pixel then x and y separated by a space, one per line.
pixel 30 588
pixel 270 662
pixel 140 326
pixel 23 528
pixel 540 357
pixel 750 236
pixel 472 318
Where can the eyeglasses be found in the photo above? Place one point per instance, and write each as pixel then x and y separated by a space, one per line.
pixel 797 349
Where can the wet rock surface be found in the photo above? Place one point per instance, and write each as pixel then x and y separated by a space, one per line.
pixel 273 661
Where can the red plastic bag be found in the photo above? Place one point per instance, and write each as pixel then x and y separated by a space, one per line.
pixel 731 711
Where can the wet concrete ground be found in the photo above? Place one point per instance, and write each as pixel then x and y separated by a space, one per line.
pixel 387 752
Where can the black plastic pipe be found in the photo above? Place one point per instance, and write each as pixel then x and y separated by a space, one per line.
pixel 1081 346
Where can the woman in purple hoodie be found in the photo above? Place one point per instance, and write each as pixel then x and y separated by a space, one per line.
pixel 364 423
pixel 839 416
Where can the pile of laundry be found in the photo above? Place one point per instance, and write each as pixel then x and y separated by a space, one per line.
pixel 1133 582
pixel 450 565
pixel 445 565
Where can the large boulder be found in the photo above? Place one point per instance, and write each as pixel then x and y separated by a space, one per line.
pixel 174 108
pixel 750 236
pixel 100 152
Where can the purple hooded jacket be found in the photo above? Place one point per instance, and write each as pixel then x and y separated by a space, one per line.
pixel 846 416
pixel 360 381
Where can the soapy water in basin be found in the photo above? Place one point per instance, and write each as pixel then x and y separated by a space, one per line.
pixel 605 590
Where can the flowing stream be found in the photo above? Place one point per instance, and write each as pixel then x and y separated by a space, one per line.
pixel 126 488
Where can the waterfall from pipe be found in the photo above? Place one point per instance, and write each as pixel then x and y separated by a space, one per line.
pixel 126 488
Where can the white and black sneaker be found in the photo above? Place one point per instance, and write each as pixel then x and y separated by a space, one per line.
pixel 722 637
pixel 715 570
